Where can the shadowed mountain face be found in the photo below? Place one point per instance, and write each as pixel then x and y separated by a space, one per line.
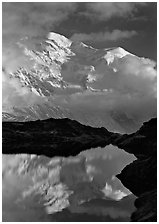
pixel 66 137
pixel 107 87
pixel 52 137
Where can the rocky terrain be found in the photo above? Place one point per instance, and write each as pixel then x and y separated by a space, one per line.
pixel 52 137
pixel 66 137
pixel 140 177
pixel 62 68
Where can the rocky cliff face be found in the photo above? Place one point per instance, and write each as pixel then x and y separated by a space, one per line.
pixel 66 137
pixel 140 177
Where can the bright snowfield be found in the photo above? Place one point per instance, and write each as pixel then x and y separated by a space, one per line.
pixel 100 87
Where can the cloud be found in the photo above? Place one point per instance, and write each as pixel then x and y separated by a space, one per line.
pixel 28 23
pixel 114 194
pixel 127 85
pixel 104 36
pixel 121 85
pixel 112 160
pixel 92 170
pixel 138 108
pixel 106 10
pixel 70 169
pixel 57 197
pixel 10 162
pixel 34 20
pixel 31 20
pixel 56 180
pixel 14 94
pixel 100 210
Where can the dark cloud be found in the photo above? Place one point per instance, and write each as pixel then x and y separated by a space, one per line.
pixel 128 85
pixel 107 10
pixel 32 20
pixel 104 36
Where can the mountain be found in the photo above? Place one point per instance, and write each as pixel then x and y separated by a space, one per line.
pixel 65 137
pixel 54 182
pixel 34 112
pixel 64 67
pixel 58 55
pixel 51 137
pixel 140 177
pixel 57 136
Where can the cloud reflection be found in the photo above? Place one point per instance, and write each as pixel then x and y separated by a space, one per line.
pixel 73 181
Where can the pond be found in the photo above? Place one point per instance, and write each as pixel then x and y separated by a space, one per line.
pixel 81 188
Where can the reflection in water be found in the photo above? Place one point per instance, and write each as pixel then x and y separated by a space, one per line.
pixel 13 207
pixel 81 188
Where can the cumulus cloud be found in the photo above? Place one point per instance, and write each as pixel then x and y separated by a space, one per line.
pixel 14 94
pixel 32 20
pixel 56 180
pixel 70 169
pixel 138 108
pixel 107 10
pixel 122 85
pixel 104 36
pixel 112 160
pixel 116 194
pixel 128 85
pixel 91 170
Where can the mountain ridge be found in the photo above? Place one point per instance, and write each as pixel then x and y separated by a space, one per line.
pixel 56 51
pixel 63 69
pixel 65 137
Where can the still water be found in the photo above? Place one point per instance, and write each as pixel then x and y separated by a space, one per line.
pixel 81 188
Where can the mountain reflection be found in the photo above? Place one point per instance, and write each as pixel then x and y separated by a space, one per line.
pixel 81 188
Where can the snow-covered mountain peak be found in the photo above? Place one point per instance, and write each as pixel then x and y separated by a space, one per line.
pixel 61 40
pixel 121 52
pixel 118 52
pixel 58 58
pixel 85 45
pixel 60 68
pixel 64 64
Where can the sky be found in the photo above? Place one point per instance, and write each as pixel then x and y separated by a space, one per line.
pixel 132 26
pixel 100 24
pixel 128 86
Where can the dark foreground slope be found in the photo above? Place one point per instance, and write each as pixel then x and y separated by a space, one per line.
pixel 140 177
pixel 65 137
pixel 52 137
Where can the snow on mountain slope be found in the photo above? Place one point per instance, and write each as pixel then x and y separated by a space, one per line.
pixel 49 70
pixel 117 52
pixel 62 68
pixel 113 121
pixel 60 39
